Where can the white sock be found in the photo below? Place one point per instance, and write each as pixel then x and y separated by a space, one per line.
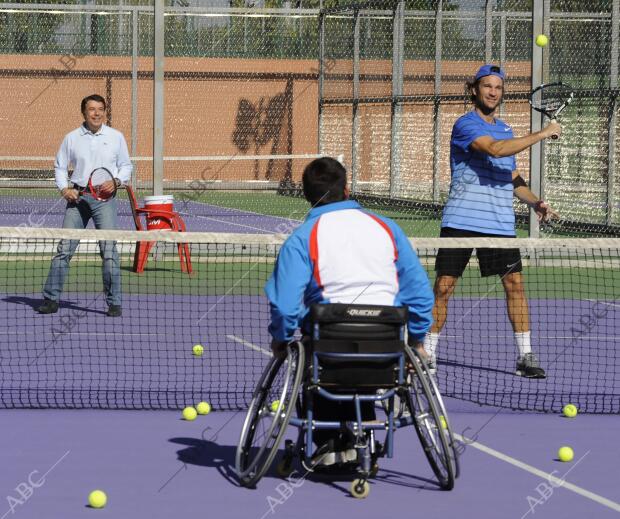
pixel 523 342
pixel 430 343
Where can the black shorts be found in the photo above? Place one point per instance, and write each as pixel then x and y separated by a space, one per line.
pixel 452 262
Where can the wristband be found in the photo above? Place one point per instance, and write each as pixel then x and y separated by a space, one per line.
pixel 518 182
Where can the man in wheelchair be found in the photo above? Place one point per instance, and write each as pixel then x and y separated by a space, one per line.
pixel 344 254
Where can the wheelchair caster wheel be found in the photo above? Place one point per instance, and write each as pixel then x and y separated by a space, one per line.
pixel 360 488
pixel 284 468
pixel 374 469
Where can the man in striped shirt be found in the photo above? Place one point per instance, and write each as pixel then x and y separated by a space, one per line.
pixel 484 181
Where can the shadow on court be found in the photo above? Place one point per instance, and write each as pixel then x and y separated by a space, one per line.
pixel 34 303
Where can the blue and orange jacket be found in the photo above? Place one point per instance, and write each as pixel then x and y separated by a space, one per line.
pixel 345 254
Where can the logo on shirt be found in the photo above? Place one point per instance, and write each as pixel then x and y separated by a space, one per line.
pixel 356 312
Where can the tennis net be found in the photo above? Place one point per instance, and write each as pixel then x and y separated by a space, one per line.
pixel 79 357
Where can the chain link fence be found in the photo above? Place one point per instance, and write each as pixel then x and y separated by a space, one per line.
pixel 246 102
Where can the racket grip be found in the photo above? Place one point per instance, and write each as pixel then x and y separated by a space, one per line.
pixel 554 137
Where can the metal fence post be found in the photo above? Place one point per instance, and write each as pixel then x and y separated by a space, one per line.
pixel 397 92
pixel 437 103
pixel 356 94
pixel 321 74
pixel 613 84
pixel 158 99
pixel 488 31
pixel 536 157
pixel 134 93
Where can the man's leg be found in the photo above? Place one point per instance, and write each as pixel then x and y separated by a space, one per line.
pixel 104 216
pixel 76 217
pixel 443 290
pixel 518 313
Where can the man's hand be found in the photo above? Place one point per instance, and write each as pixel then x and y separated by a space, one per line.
pixel 553 129
pixel 544 212
pixel 279 348
pixel 69 194
pixel 107 188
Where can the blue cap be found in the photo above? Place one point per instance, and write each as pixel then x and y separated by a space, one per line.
pixel 490 70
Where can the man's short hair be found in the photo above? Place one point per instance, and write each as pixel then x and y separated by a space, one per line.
pixel 324 181
pixel 92 97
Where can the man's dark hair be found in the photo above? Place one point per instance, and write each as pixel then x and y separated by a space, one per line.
pixel 324 181
pixel 92 97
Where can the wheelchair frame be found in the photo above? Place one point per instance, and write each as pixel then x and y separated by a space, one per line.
pixel 414 386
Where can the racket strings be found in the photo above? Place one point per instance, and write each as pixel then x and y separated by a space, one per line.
pixel 551 98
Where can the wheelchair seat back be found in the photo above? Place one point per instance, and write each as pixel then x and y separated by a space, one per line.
pixel 357 346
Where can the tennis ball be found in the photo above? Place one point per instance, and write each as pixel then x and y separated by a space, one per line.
pixel 541 40
pixel 444 422
pixel 97 499
pixel 203 407
pixel 189 413
pixel 570 411
pixel 274 405
pixel 565 454
pixel 198 350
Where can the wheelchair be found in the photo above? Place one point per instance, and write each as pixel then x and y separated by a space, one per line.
pixel 356 355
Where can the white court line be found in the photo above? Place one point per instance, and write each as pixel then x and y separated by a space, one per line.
pixel 559 482
pixel 616 305
pixel 249 345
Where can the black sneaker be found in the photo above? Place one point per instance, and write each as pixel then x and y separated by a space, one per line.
pixel 528 367
pixel 48 307
pixel 114 311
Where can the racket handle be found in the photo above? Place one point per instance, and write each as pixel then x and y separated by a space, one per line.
pixel 554 137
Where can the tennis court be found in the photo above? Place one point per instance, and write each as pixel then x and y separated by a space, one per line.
pixel 222 104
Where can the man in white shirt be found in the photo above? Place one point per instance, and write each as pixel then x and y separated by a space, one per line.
pixel 86 148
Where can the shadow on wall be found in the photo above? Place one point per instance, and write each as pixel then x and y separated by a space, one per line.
pixel 267 121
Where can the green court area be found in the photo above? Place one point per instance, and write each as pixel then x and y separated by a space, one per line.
pixel 238 274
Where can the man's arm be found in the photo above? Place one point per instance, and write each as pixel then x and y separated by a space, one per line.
pixel 525 195
pixel 61 171
pixel 285 290
pixel 507 147
pixel 414 288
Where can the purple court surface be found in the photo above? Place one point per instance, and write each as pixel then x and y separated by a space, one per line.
pixel 198 217
pixel 155 465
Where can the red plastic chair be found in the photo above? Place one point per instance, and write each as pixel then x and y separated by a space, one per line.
pixel 174 222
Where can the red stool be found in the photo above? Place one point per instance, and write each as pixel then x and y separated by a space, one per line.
pixel 166 220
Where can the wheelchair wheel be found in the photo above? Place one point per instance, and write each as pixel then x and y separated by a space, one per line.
pixel 360 488
pixel 268 415
pixel 442 409
pixel 431 429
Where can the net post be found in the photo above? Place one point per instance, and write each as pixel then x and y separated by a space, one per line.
pixel 536 153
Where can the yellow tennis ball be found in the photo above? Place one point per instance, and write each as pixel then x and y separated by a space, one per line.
pixel 444 422
pixel 203 407
pixel 97 499
pixel 189 413
pixel 198 350
pixel 541 40
pixel 570 411
pixel 565 454
pixel 274 405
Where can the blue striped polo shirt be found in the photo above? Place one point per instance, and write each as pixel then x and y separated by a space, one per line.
pixel 481 188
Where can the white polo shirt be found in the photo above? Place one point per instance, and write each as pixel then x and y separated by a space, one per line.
pixel 86 151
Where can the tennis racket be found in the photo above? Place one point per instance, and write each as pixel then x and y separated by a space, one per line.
pixel 101 185
pixel 551 99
